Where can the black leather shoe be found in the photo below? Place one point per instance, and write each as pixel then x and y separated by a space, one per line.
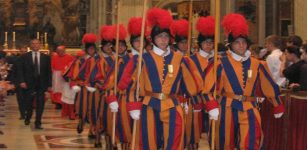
pixel 80 128
pixel 39 127
pixel 97 145
pixel 58 106
pixel 92 136
pixel 27 122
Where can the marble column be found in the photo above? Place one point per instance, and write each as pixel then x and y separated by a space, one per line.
pixel 261 21
pixel 97 16
pixel 300 22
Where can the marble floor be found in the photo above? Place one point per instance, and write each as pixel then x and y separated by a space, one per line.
pixel 58 133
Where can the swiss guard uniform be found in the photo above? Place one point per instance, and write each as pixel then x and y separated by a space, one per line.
pixel 127 82
pixel 123 122
pixel 205 26
pixel 71 74
pixel 97 70
pixel 179 30
pixel 240 79
pixel 162 120
pixel 104 65
pixel 93 75
pixel 77 73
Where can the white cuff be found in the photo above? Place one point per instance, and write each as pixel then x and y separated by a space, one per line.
pixel 114 106
pixel 135 114
pixel 76 88
pixel 90 89
pixel 279 115
pixel 214 114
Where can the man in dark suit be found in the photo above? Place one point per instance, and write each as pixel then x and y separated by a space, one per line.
pixel 13 77
pixel 34 75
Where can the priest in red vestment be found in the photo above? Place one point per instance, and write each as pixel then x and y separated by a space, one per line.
pixel 59 61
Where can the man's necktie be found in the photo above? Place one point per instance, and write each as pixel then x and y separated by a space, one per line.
pixel 36 73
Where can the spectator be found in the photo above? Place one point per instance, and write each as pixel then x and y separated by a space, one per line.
pixel 303 73
pixel 255 50
pixel 294 40
pixel 20 93
pixel 273 44
pixel 292 72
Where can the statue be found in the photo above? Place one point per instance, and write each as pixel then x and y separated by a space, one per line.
pixel 70 19
pixel 50 29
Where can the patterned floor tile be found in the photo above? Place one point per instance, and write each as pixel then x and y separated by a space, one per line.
pixel 67 141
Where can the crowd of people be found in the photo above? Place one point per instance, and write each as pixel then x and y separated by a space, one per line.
pixel 170 97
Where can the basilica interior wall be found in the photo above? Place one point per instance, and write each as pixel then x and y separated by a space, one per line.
pixel 300 22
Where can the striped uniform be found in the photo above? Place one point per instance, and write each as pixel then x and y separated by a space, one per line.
pixel 123 121
pixel 162 121
pixel 195 119
pixel 98 73
pixel 75 73
pixel 239 124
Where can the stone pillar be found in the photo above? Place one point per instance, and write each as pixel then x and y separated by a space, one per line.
pixel 261 20
pixel 300 22
pixel 275 17
pixel 131 8
pixel 230 6
pixel 212 7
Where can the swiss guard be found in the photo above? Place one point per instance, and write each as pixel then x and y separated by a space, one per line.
pixel 240 79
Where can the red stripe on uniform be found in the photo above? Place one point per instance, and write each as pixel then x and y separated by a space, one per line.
pixel 178 132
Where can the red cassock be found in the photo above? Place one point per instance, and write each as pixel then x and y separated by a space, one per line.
pixel 58 65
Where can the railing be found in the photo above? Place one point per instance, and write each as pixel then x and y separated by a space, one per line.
pixel 290 131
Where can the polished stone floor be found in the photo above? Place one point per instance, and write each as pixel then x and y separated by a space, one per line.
pixel 58 133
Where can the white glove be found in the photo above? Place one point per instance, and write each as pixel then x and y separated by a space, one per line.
pixel 114 106
pixel 76 88
pixel 278 115
pixel 90 89
pixel 214 114
pixel 135 114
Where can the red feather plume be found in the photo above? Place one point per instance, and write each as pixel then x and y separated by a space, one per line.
pixel 135 26
pixel 180 28
pixel 235 24
pixel 106 33
pixel 206 26
pixel 89 38
pixel 122 32
pixel 159 17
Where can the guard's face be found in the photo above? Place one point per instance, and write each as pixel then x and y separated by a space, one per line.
pixel 91 51
pixel 107 48
pixel 207 45
pixel 162 40
pixel 239 46
pixel 122 48
pixel 183 46
pixel 136 43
